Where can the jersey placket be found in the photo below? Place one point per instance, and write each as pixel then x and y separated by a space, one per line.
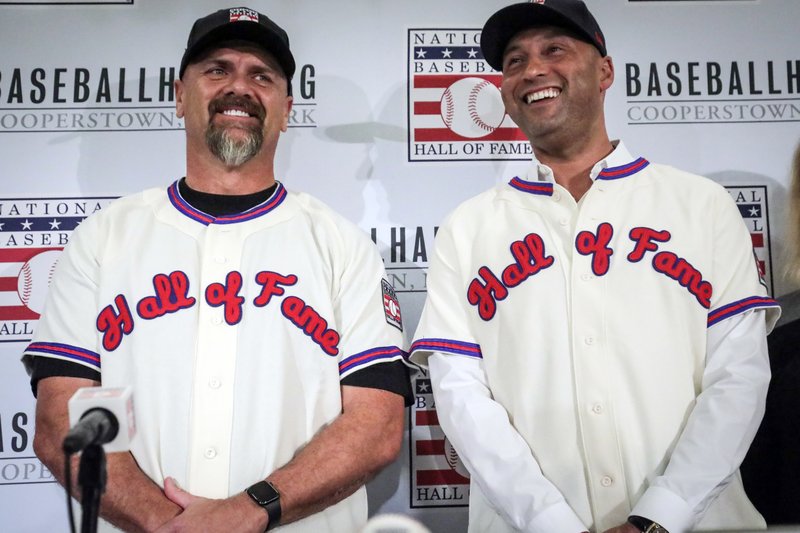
pixel 590 359
pixel 214 368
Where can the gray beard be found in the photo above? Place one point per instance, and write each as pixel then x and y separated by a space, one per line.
pixel 230 151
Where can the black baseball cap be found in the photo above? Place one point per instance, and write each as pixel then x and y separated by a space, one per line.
pixel 570 14
pixel 241 24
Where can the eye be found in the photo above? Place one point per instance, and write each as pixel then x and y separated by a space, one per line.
pixel 512 60
pixel 216 71
pixel 262 77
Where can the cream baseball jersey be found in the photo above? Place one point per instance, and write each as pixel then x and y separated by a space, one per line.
pixel 591 319
pixel 233 331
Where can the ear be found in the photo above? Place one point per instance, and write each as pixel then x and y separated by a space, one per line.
pixel 178 85
pixel 606 73
pixel 287 113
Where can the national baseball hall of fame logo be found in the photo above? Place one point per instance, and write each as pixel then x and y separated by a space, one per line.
pixel 438 476
pixel 752 203
pixel 455 111
pixel 33 232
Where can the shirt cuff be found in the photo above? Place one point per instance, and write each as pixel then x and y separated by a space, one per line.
pixel 557 517
pixel 665 507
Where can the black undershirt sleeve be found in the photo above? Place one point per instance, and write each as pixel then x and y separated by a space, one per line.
pixel 392 376
pixel 47 367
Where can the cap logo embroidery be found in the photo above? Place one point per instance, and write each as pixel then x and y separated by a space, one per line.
pixel 599 38
pixel 537 1
pixel 240 14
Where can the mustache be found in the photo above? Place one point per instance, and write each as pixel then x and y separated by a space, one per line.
pixel 250 107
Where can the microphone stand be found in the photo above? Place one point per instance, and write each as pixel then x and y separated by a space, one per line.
pixel 92 477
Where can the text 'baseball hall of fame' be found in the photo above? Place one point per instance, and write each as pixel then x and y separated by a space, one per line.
pixel 455 111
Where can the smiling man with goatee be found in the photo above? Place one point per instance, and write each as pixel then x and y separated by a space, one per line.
pixel 256 326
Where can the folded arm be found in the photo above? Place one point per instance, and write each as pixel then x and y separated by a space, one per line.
pixel 132 501
pixel 338 460
pixel 720 428
pixel 497 457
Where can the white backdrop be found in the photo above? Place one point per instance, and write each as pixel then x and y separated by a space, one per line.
pixel 86 114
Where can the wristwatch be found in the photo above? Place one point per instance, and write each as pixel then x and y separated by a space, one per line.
pixel 645 525
pixel 265 495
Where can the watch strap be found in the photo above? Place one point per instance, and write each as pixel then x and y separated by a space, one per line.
pixel 646 525
pixel 269 499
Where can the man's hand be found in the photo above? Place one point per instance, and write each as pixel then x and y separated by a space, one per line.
pixel 627 527
pixel 237 513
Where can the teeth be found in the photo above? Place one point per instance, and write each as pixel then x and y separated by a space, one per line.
pixel 541 95
pixel 235 113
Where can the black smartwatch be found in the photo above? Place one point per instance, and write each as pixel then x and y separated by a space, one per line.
pixel 265 495
pixel 646 525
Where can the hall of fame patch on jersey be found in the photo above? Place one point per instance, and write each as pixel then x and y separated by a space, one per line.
pixel 33 232
pixel 438 476
pixel 455 111
pixel 752 203
pixel 391 307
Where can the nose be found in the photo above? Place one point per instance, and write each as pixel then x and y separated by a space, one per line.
pixel 239 83
pixel 535 67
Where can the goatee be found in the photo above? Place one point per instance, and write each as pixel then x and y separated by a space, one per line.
pixel 228 148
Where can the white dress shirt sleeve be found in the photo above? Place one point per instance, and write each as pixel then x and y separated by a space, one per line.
pixel 497 457
pixel 720 428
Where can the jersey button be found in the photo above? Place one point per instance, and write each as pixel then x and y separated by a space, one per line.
pixel 597 409
pixel 586 277
pixel 220 259
pixel 214 383
pixel 216 320
pixel 557 196
pixel 563 221
pixel 210 452
pixel 606 481
pixel 588 340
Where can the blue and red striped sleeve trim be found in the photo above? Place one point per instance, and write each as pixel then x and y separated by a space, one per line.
pixel 623 171
pixel 382 354
pixel 542 188
pixel 448 346
pixel 740 306
pixel 262 209
pixel 64 351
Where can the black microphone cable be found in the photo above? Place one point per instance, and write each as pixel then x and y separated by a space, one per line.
pixel 100 426
pixel 68 487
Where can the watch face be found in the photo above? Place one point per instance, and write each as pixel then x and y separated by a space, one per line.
pixel 263 493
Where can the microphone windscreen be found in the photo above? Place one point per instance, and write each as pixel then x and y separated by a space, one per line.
pixel 118 400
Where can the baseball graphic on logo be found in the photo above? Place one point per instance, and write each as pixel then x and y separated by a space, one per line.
pixel 453 459
pixel 34 279
pixel 472 107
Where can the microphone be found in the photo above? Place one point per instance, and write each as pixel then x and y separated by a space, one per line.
pixel 96 426
pixel 101 416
